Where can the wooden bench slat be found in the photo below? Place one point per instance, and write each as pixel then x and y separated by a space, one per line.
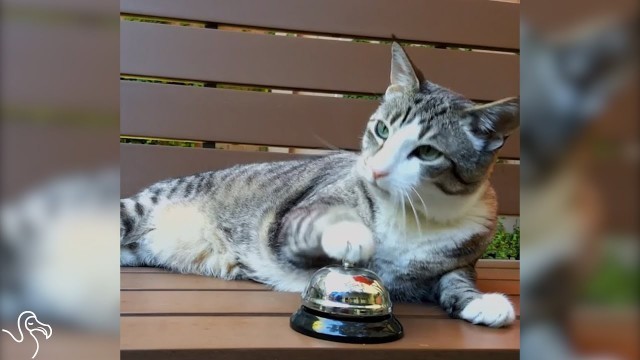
pixel 174 333
pixel 485 273
pixel 249 117
pixel 142 165
pixel 260 303
pixel 290 62
pixel 418 20
pixel 481 264
pixel 142 269
pixel 321 354
pixel 171 281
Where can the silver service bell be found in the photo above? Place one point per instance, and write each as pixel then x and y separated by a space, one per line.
pixel 346 304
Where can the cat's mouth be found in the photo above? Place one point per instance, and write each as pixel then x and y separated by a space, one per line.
pixel 376 186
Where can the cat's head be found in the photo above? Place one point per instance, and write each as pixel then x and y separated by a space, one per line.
pixel 430 138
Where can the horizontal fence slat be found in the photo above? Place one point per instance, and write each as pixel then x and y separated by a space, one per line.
pixel 244 303
pixel 175 333
pixel 478 23
pixel 246 117
pixel 302 63
pixel 249 117
pixel 142 165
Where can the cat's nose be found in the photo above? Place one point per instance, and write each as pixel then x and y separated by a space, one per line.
pixel 379 174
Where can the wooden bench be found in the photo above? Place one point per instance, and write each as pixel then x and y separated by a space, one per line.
pixel 176 316
pixel 205 56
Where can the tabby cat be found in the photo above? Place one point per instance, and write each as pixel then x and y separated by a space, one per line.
pixel 415 206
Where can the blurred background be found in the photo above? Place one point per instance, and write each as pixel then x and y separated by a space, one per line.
pixel 60 182
pixel 579 237
pixel 579 180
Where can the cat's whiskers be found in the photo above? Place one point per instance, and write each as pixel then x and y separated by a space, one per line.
pixel 421 200
pixel 398 201
pixel 404 217
pixel 327 143
pixel 415 214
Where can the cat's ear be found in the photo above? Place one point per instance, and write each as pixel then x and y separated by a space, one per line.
pixel 403 77
pixel 489 125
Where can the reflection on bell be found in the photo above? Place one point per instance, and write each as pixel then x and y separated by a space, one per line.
pixel 346 304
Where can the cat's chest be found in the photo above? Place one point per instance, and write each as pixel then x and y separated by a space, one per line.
pixel 401 248
pixel 398 256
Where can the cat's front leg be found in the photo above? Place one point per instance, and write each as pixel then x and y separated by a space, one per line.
pixel 348 240
pixel 458 296
pixel 336 232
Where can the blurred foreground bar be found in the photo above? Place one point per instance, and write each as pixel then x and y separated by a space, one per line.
pixel 59 189
pixel 579 210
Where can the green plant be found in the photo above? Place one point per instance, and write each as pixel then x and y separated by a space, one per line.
pixel 145 19
pixel 242 87
pixel 146 141
pixel 163 81
pixel 505 245
pixel 362 96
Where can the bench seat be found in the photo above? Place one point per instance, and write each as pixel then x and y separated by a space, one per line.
pixel 175 316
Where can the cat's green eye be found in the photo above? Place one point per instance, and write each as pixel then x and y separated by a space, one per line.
pixel 382 130
pixel 426 153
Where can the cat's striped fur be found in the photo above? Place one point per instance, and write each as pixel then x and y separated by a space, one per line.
pixel 415 206
pixel 250 217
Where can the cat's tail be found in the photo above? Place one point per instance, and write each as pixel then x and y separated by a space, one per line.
pixel 128 221
pixel 131 220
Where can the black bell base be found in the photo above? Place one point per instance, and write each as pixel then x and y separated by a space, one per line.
pixel 364 330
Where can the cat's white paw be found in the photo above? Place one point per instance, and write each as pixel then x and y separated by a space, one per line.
pixel 336 237
pixel 493 310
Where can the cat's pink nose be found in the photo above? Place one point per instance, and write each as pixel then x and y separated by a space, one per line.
pixel 379 174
